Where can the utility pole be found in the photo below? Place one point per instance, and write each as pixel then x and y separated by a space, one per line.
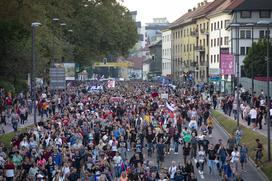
pixel 33 77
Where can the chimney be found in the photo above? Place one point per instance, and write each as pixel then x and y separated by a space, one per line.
pixel 189 10
pixel 194 8
pixel 198 5
pixel 202 4
pixel 205 2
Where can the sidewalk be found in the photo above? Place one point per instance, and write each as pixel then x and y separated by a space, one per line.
pixel 30 121
pixel 262 131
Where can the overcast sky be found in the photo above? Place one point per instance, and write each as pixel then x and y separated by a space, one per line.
pixel 149 9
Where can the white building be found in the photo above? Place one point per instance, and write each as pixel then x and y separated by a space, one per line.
pixel 166 52
pixel 245 20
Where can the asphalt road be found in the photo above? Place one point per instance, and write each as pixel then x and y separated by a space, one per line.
pixel 251 174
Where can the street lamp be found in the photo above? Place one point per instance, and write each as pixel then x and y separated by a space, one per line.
pixel 237 26
pixel 54 20
pixel 34 25
pixel 220 44
pixel 252 66
pixel 267 23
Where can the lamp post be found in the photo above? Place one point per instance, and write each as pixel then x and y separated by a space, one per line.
pixel 34 25
pixel 252 67
pixel 54 20
pixel 267 23
pixel 220 44
pixel 237 26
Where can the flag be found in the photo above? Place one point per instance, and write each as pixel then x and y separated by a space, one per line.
pixel 170 107
pixel 111 83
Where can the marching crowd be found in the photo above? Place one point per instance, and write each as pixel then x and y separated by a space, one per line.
pixel 122 133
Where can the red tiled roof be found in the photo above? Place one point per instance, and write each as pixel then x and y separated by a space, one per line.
pixel 226 6
pixel 197 13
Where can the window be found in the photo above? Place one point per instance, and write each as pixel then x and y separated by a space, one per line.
pixel 247 50
pixel 261 34
pixel 242 50
pixel 207 25
pixel 226 40
pixel 221 24
pixel 227 23
pixel 217 41
pixel 248 34
pixel 245 14
pixel 211 59
pixel 221 41
pixel 203 42
pixel 214 58
pixel 184 48
pixel 242 34
pixel 211 42
pixel 265 14
pixel 214 26
pixel 214 42
pixel 180 33
pixel 218 25
pixel 217 58
pixel 211 26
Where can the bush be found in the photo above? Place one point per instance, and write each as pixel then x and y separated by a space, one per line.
pixel 20 86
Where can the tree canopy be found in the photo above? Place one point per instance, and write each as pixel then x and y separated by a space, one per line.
pixel 100 28
pixel 256 57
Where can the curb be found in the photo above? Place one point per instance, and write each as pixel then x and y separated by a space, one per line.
pixel 250 160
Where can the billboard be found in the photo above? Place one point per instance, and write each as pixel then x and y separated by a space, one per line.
pixel 57 78
pixel 226 62
pixel 70 73
pixel 69 69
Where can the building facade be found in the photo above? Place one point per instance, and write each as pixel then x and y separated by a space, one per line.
pixel 166 52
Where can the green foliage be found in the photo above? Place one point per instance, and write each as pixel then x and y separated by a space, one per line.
pixel 7 86
pixel 256 57
pixel 102 28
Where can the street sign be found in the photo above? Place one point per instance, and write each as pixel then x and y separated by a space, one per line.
pixel 214 79
pixel 57 78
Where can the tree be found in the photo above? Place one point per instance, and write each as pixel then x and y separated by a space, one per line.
pixel 100 29
pixel 256 58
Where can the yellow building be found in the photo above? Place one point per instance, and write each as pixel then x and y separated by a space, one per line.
pixel 190 44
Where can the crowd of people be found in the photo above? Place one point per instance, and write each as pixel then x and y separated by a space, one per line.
pixel 122 133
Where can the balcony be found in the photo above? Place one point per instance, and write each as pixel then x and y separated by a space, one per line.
pixel 199 48
pixel 194 33
pixel 204 31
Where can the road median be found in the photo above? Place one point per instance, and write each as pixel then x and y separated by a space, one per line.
pixel 248 138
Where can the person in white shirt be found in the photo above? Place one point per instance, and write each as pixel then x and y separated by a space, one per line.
pixel 117 160
pixel 172 170
pixel 235 157
pixel 253 117
pixel 201 159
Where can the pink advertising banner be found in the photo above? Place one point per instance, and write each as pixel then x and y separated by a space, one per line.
pixel 227 64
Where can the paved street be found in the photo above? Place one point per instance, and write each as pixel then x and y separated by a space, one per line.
pixel 252 173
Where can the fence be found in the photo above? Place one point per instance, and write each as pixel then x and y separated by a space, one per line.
pixel 258 85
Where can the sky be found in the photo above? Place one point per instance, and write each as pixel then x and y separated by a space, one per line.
pixel 149 9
